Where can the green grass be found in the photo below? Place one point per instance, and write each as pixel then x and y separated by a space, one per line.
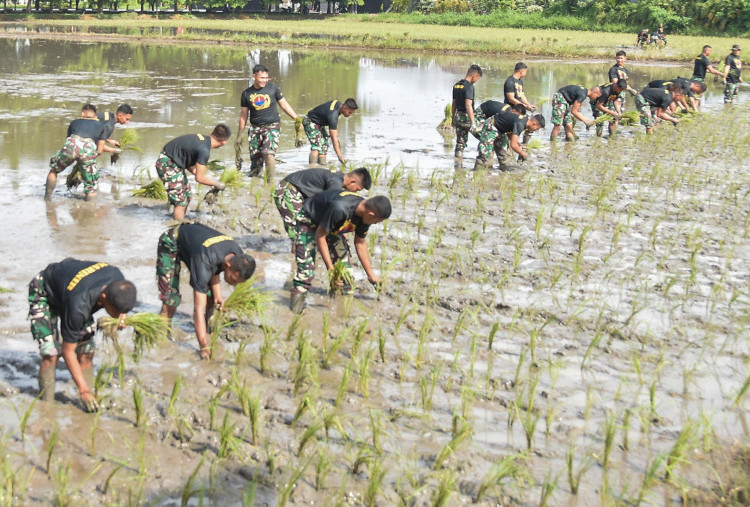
pixel 384 32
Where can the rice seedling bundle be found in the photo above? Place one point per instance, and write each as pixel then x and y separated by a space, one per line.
pixel 128 142
pixel 299 134
pixel 447 123
pixel 215 165
pixel 340 275
pixel 534 144
pixel 247 299
pixel 232 178
pixel 149 329
pixel 629 118
pixel 542 101
pixel 153 190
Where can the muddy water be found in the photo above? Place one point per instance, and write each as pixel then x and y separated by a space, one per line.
pixel 177 90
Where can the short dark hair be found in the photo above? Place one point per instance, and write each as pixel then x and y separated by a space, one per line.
pixel 121 294
pixel 706 47
pixel 221 132
pixel 474 69
pixel 260 68
pixel 380 205
pixel 89 107
pixel 520 66
pixel 700 84
pixel 621 53
pixel 539 119
pixel 351 103
pixel 125 109
pixel 519 108
pixel 244 265
pixel 622 83
pixel 364 175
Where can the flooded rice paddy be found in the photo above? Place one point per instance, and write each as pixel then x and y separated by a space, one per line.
pixel 570 333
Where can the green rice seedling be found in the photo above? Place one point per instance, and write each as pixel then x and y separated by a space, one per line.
pixel 493 332
pixel 626 430
pixel 340 275
pixel 189 490
pixel 376 428
pixel 149 330
pixel 462 433
pixel 305 404
pixel 175 393
pixel 248 493
pixel 129 141
pixel 102 379
pixel 332 420
pixel 228 443
pixel 306 372
pixel 743 390
pixel 364 372
pixel 610 427
pixel 359 333
pixel 454 369
pixel 232 178
pixel 215 165
pixel 508 467
pixel 650 477
pixel 93 431
pixel 246 300
pixel 445 488
pixel 447 124
pixel 109 478
pixel 574 476
pixel 4 290
pixel 185 431
pixel 213 404
pixel 267 347
pixel 677 452
pixel 322 468
pixel 308 435
pixel 23 417
pixel 285 490
pixel 344 384
pixel 377 474
pixel 138 405
pixel 154 190
pixel 381 343
pixel 548 487
pixel 299 133
pixel 529 421
pixel 334 346
pixel 472 354
pixel 253 409
pixel 534 144
pixel 364 458
pixel 467 401
pixel 62 495
pixel 54 438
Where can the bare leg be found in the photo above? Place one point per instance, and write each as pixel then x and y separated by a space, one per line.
pixel 47 377
pixel 49 187
pixel 313 157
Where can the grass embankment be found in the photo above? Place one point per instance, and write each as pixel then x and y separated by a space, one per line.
pixel 358 31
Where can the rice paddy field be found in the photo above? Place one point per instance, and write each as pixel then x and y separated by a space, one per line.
pixel 573 332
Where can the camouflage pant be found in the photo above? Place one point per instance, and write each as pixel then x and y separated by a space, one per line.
pixel 82 152
pixel 289 202
pixel 561 110
pixel 647 118
pixel 305 251
pixel 168 267
pixel 479 116
pixel 462 122
pixel 175 181
pixel 730 92
pixel 596 113
pixel 262 140
pixel 317 135
pixel 44 323
pixel 490 139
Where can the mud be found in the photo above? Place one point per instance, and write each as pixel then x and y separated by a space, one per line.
pixel 610 276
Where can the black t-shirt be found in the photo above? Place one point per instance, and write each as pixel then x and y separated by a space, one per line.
pixel 735 68
pixel 333 210
pixel 88 128
pixel 463 91
pixel 188 150
pixel 262 104
pixel 492 107
pixel 657 97
pixel 607 95
pixel 574 93
pixel 108 120
pixel 510 121
pixel 679 81
pixel 702 63
pixel 513 86
pixel 326 115
pixel 73 288
pixel 203 250
pixel 314 181
pixel 617 72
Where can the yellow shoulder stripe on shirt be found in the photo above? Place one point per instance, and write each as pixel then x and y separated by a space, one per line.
pixel 106 115
pixel 84 273
pixel 333 104
pixel 200 136
pixel 345 193
pixel 216 239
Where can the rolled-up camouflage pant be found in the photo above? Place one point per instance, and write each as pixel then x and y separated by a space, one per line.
pixel 44 323
pixel 561 110
pixel 317 135
pixel 462 122
pixel 642 106
pixel 305 251
pixel 289 202
pixel 730 92
pixel 84 153
pixel 168 267
pixel 175 181
pixel 262 140
pixel 596 113
pixel 490 139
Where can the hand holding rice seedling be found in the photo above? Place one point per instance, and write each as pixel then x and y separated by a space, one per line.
pixel 340 275
pixel 628 119
pixel 299 133
pixel 149 329
pixel 246 300
pixel 128 142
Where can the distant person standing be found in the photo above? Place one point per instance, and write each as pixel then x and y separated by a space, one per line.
pixel 462 108
pixel 619 72
pixel 321 123
pixel 701 66
pixel 732 74
pixel 566 104
pixel 84 142
pixel 188 153
pixel 258 104
pixel 513 88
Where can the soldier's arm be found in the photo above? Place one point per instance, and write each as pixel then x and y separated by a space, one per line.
pixel 284 105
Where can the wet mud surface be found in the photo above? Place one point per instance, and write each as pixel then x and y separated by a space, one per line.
pixel 590 307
